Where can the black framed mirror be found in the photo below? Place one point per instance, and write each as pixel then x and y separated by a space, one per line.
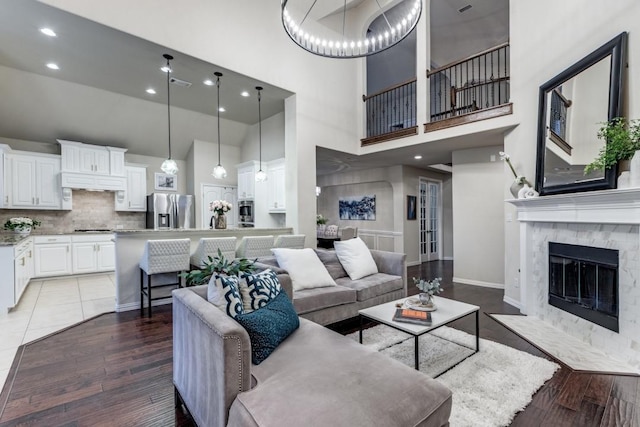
pixel 572 107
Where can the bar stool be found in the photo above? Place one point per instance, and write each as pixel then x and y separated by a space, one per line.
pixel 255 246
pixel 162 256
pixel 208 247
pixel 293 241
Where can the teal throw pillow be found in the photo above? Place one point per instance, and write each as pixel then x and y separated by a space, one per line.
pixel 269 326
pixel 258 289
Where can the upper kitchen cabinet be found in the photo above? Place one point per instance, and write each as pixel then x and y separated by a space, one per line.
pixel 83 158
pixel 4 177
pixel 134 198
pixel 247 180
pixel 34 181
pixel 276 202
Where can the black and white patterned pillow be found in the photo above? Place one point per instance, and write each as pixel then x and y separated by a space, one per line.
pixel 258 289
pixel 224 293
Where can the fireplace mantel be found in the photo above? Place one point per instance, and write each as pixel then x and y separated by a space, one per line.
pixel 620 206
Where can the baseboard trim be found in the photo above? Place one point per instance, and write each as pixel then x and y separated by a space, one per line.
pixel 447 258
pixel 478 283
pixel 512 302
pixel 130 306
pixel 413 263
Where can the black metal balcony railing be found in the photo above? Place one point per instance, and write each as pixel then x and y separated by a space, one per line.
pixel 478 82
pixel 391 112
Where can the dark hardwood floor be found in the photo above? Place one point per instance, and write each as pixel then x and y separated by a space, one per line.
pixel 116 370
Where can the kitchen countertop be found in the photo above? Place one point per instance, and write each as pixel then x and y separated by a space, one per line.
pixel 10 239
pixel 200 230
pixel 7 239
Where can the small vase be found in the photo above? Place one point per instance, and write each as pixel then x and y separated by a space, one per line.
pixel 220 222
pixel 427 301
pixel 321 228
pixel 516 186
pixel 22 231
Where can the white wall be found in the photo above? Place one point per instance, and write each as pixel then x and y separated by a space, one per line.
pixel 544 44
pixel 478 217
pixel 272 140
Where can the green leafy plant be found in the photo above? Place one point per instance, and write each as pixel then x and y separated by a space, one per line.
pixel 219 265
pixel 622 141
pixel 320 219
pixel 431 287
pixel 21 223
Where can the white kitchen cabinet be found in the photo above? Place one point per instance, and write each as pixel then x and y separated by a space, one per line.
pixel 134 198
pixel 247 180
pixel 35 181
pixel 78 157
pixel 211 192
pixel 16 264
pixel 93 253
pixel 4 176
pixel 94 160
pixel 52 255
pixel 276 201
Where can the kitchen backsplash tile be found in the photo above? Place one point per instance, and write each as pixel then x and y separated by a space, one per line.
pixel 91 210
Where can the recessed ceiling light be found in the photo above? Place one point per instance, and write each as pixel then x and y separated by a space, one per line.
pixel 208 82
pixel 53 66
pixel 222 109
pixel 151 91
pixel 48 32
pixel 417 157
pixel 245 93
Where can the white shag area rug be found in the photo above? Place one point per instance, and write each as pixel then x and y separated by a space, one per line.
pixel 489 388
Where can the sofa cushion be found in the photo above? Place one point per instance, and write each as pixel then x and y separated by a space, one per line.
pixel 331 263
pixel 355 257
pixel 268 326
pixel 372 286
pixel 258 289
pixel 304 267
pixel 308 300
pixel 224 293
pixel 271 262
pixel 317 377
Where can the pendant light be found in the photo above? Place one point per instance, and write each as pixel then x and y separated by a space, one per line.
pixel 169 166
pixel 219 171
pixel 260 175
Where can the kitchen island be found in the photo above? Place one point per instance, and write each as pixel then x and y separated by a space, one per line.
pixel 130 247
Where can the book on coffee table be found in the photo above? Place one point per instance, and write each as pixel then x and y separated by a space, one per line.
pixel 408 315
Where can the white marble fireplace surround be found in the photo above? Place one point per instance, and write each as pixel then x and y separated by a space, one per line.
pixel 605 219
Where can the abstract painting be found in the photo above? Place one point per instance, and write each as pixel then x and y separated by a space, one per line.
pixel 358 208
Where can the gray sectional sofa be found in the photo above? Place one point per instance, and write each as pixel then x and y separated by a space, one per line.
pixel 334 303
pixel 315 377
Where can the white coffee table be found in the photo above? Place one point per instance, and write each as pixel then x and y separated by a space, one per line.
pixel 447 311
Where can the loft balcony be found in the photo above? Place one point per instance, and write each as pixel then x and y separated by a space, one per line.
pixel 471 89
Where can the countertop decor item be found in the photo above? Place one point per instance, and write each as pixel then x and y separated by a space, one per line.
pixel 219 172
pixel 220 208
pixel 623 140
pixel 429 288
pixel 21 225
pixel 519 181
pixel 312 29
pixel 169 166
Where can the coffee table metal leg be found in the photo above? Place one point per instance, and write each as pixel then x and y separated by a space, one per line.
pixel 477 331
pixel 417 361
pixel 360 331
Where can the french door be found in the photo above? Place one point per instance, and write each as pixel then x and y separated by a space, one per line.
pixel 430 217
pixel 211 192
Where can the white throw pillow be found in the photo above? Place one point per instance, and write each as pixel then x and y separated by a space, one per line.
pixel 355 257
pixel 304 267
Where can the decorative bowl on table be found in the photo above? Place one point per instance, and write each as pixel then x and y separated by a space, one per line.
pixel 416 304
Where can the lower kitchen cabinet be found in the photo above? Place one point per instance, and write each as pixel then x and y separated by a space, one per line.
pixel 52 255
pixel 93 253
pixel 16 264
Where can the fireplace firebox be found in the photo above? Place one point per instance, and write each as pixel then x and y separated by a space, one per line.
pixel 583 281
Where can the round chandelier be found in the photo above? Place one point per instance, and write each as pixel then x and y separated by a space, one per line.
pixel 323 31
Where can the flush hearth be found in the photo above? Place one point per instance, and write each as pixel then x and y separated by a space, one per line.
pixel 583 281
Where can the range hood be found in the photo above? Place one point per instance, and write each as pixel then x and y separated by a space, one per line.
pixel 82 181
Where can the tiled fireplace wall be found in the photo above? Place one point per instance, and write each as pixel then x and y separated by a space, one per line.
pixel 624 238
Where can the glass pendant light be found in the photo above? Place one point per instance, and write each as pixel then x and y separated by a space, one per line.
pixel 169 166
pixel 219 171
pixel 260 175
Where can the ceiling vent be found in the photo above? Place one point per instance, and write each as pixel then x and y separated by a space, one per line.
pixel 464 9
pixel 178 82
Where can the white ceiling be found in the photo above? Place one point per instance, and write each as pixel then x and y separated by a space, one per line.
pixel 102 80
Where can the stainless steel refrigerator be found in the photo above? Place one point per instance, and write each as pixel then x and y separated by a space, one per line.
pixel 170 210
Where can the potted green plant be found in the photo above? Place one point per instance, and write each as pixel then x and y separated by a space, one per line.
pixel 219 265
pixel 429 288
pixel 21 225
pixel 622 141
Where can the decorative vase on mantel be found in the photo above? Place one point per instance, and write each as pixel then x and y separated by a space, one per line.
pixel 427 301
pixel 517 185
pixel 220 222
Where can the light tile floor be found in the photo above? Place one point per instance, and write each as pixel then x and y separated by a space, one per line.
pixel 50 305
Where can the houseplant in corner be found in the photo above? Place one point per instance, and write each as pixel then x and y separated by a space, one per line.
pixel 21 225
pixel 622 141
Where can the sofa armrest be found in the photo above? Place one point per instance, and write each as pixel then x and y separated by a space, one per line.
pixel 392 263
pixel 211 357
